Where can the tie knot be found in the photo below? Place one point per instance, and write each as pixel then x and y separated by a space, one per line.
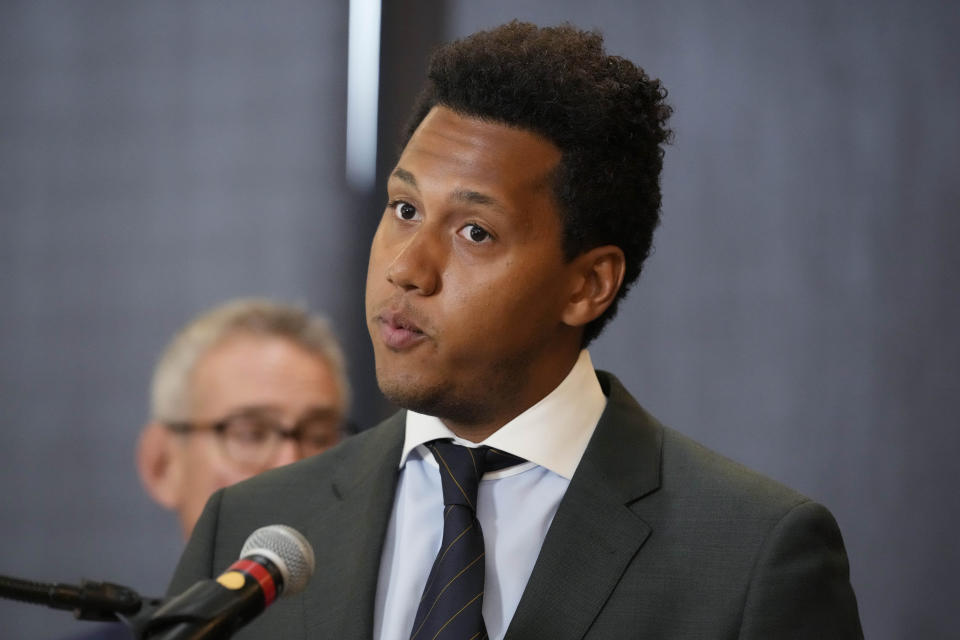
pixel 462 467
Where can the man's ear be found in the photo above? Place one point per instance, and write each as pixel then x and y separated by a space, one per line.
pixel 159 464
pixel 597 277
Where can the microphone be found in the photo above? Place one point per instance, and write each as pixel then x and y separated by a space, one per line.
pixel 275 560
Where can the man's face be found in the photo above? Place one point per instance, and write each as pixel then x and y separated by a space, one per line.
pixel 270 375
pixel 467 278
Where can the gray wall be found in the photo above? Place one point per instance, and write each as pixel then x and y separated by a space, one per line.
pixel 798 315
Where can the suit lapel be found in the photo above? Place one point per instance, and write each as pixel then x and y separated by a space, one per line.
pixel 594 535
pixel 352 529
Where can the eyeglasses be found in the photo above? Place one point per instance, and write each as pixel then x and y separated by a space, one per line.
pixel 252 437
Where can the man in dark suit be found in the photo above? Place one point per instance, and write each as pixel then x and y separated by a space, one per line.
pixel 521 209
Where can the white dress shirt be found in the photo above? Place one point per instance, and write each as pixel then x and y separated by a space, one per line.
pixel 515 506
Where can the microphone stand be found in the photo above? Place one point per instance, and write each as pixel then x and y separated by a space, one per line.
pixel 207 611
pixel 96 601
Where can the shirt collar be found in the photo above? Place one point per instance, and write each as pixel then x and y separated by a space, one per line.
pixel 553 433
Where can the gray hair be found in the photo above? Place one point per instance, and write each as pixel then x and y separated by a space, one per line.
pixel 170 389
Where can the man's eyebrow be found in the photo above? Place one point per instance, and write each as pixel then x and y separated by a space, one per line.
pixel 405 176
pixel 461 195
pixel 475 197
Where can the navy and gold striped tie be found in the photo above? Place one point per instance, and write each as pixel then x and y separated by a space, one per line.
pixel 451 606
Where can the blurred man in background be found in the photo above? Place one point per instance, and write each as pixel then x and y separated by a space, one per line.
pixel 246 386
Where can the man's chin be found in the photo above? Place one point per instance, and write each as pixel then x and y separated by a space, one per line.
pixel 432 398
pixel 413 395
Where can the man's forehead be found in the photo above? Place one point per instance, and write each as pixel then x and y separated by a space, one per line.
pixel 473 148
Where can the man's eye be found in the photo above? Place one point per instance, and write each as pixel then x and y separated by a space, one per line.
pixel 404 210
pixel 473 233
pixel 247 431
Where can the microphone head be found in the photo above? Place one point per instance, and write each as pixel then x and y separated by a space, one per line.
pixel 287 549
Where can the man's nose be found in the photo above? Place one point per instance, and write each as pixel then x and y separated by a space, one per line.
pixel 417 265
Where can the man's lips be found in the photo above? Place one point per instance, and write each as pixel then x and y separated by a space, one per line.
pixel 399 331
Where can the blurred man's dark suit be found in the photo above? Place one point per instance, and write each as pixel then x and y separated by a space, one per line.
pixel 656 537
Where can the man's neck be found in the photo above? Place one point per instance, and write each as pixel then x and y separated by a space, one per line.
pixel 481 429
pixel 474 433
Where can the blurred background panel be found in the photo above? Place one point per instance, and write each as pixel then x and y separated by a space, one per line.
pixel 155 159
pixel 799 313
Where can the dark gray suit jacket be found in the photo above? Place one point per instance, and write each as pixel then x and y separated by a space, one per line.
pixel 656 537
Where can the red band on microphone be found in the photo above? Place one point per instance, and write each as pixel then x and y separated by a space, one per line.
pixel 259 573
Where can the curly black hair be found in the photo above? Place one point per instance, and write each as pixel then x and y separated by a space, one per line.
pixel 604 114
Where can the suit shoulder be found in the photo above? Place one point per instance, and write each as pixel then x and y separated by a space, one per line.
pixel 693 474
pixel 714 527
pixel 327 464
pixel 691 468
pixel 290 494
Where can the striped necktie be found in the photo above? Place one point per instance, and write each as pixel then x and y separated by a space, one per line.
pixel 451 606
